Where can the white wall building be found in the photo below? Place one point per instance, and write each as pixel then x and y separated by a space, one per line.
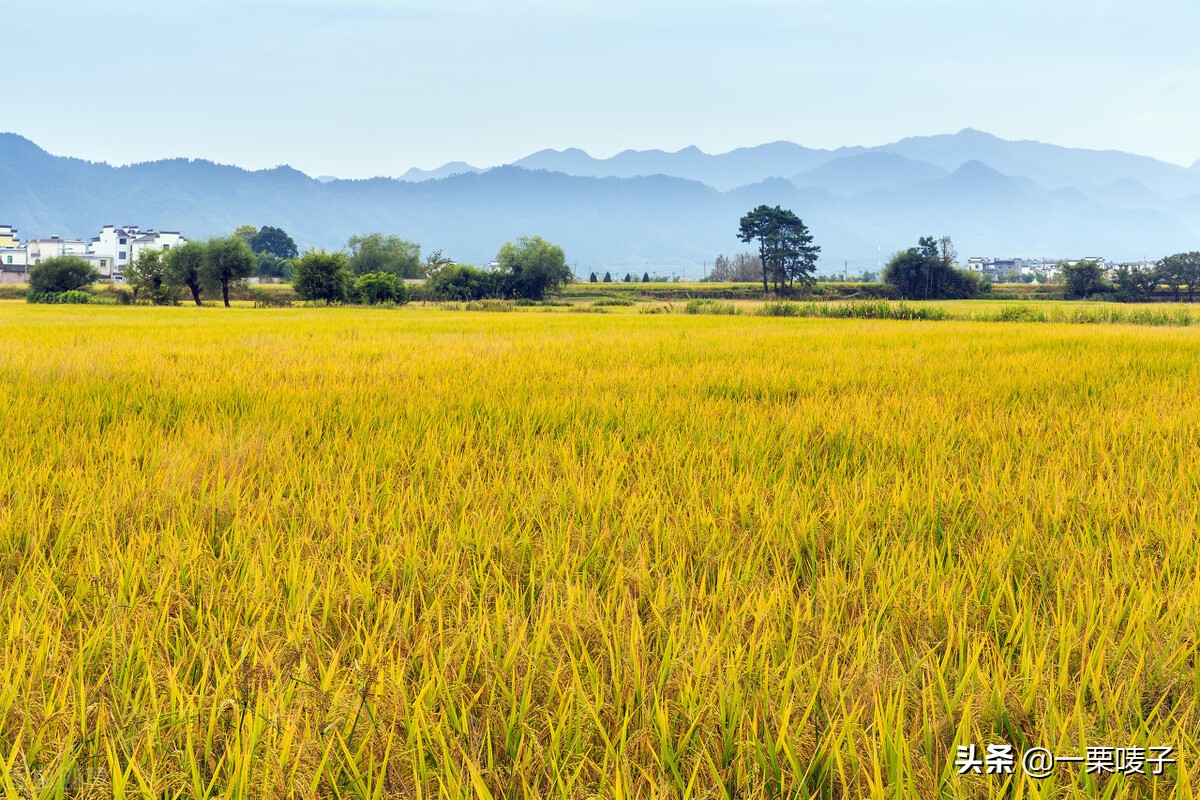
pixel 119 247
pixel 14 263
pixel 55 246
pixel 109 253
pixel 156 240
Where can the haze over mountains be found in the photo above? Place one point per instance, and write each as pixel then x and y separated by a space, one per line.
pixel 653 209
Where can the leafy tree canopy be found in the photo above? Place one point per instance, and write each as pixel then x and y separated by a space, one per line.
pixel 381 287
pixel 227 261
pixel 1083 280
pixel 1181 270
pixel 927 272
pixel 319 275
pixel 150 279
pixel 274 241
pixel 375 252
pixel 185 267
pixel 61 274
pixel 462 282
pixel 531 267
pixel 785 247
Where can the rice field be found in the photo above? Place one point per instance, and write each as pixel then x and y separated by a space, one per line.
pixel 431 553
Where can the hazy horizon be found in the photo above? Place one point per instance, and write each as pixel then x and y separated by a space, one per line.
pixel 367 88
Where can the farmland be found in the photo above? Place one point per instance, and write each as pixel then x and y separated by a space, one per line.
pixel 324 552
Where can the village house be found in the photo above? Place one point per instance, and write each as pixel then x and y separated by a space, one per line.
pixel 109 253
pixel 120 247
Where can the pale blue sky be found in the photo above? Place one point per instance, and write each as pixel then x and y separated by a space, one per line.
pixel 367 87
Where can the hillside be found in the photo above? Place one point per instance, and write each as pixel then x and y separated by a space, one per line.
pixel 1008 198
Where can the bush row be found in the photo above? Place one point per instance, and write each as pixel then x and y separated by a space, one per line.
pixel 72 297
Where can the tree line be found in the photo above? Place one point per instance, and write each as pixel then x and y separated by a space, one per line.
pixel 1133 282
pixel 156 276
pixel 372 269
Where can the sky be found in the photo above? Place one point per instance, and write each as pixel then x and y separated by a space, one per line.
pixel 360 88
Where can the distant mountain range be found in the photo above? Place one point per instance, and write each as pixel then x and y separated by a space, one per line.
pixel 653 209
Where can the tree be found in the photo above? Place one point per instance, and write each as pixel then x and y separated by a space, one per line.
pixel 927 272
pixel 722 269
pixel 746 267
pixel 742 268
pixel 1182 269
pixel 607 277
pixel 628 278
pixel 436 261
pixel 185 267
pixel 227 261
pixel 906 271
pixel 461 282
pixel 61 274
pixel 785 247
pixel 1082 280
pixel 1170 274
pixel 760 224
pixel 246 233
pixel 531 267
pixel 269 265
pixel 1136 282
pixel 319 275
pixel 381 287
pixel 593 279
pixel 645 277
pixel 374 252
pixel 797 252
pixel 274 241
pixel 149 277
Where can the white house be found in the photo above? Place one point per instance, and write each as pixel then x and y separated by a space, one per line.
pixel 109 253
pixel 55 246
pixel 156 240
pixel 14 263
pixel 120 246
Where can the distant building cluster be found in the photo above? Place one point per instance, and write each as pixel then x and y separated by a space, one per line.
pixel 1039 269
pixel 109 253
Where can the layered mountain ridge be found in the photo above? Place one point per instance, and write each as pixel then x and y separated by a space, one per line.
pixel 653 209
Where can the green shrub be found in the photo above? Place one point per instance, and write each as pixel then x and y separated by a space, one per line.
pixel 1021 313
pixel 613 301
pixel 374 288
pixel 490 305
pixel 61 274
pixel 63 298
pixel 462 282
pixel 778 308
pixel 708 306
pixel 856 309
pixel 318 275
pixel 271 299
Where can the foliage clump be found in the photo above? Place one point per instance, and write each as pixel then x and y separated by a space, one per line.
pixel 61 274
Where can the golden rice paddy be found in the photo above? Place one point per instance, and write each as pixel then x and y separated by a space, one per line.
pixel 428 553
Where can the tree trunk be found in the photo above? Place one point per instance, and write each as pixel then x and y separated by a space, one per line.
pixel 196 295
pixel 762 256
pixel 225 292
